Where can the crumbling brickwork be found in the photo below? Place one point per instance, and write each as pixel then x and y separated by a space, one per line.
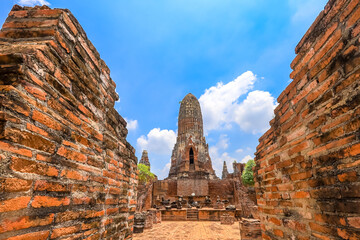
pixel 66 167
pixel 308 163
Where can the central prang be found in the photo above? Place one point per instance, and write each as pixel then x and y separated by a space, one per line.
pixel 190 156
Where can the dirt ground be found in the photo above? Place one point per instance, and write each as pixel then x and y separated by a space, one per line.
pixel 190 230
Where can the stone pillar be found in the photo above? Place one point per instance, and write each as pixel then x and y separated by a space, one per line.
pixel 250 229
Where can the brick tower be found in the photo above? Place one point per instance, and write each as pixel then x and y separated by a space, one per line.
pixel 145 158
pixel 190 156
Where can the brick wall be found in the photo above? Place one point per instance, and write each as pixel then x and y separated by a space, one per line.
pixel 66 169
pixel 308 163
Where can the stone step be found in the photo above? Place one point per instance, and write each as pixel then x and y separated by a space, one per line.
pixel 192 214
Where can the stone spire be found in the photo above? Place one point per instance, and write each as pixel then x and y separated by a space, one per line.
pixel 225 172
pixel 190 156
pixel 144 158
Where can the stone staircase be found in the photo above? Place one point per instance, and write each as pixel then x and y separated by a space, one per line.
pixel 192 214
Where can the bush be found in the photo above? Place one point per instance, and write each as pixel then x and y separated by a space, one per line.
pixel 248 174
pixel 144 173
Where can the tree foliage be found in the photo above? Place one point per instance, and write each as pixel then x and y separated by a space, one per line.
pixel 144 173
pixel 248 174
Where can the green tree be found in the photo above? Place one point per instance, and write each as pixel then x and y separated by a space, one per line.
pixel 144 173
pixel 248 174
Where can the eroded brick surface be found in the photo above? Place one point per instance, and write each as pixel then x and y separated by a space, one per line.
pixel 66 169
pixel 308 163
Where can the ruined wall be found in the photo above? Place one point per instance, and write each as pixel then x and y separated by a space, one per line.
pixel 225 189
pixel 66 167
pixel 171 189
pixel 144 196
pixel 308 163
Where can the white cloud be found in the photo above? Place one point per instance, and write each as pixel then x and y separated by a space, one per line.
pixel 33 2
pixel 223 142
pixel 221 106
pixel 239 150
pixel 218 101
pixel 246 158
pixel 255 112
pixel 158 141
pixel 131 124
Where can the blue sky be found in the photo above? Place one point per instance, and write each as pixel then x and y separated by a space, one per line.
pixel 233 55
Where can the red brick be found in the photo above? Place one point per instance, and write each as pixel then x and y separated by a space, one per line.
pixel 275 221
pixel 319 228
pixel 43 185
pixel 18 14
pixel 36 92
pixel 111 211
pixel 278 232
pixel 46 120
pixel 43 158
pixel 348 177
pixel 330 30
pixel 32 236
pixel 28 139
pixel 46 201
pixel 353 18
pixel 47 63
pixel 14 204
pixel 35 79
pixel 325 48
pixel 29 166
pixel 300 176
pixel 298 148
pixel 47 13
pixel 14 185
pixel 14 104
pixel 70 154
pixel 300 194
pixel 13 224
pixel 286 187
pixel 354 222
pixel 35 129
pixel 322 237
pixel 58 232
pixel 68 216
pixel 26 33
pixel 83 200
pixel 73 175
pixel 354 150
pixel 70 24
pixel 62 78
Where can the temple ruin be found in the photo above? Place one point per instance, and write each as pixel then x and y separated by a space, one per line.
pixel 190 157
pixel 67 171
pixel 192 191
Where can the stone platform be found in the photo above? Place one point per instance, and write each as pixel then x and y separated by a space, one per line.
pixel 193 214
pixel 185 230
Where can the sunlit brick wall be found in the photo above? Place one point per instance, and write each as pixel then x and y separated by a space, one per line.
pixel 66 169
pixel 308 163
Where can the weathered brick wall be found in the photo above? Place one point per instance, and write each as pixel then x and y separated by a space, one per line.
pixel 308 163
pixel 66 168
